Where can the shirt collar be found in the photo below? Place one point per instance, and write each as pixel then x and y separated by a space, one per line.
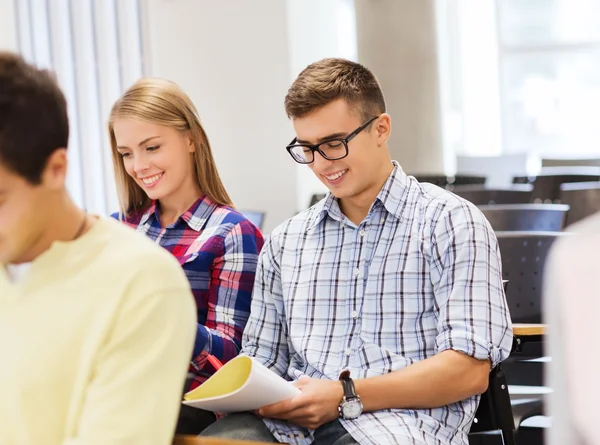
pixel 392 196
pixel 394 193
pixel 195 217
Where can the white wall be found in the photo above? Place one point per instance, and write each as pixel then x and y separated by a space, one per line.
pixel 232 58
pixel 318 29
pixel 237 58
pixel 397 40
pixel 8 34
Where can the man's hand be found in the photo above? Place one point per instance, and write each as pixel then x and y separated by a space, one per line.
pixel 317 405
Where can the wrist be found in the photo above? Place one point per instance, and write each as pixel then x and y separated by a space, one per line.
pixel 339 392
pixel 201 341
pixel 359 387
pixel 351 406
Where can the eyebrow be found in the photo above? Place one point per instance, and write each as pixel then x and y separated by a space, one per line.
pixel 325 138
pixel 122 147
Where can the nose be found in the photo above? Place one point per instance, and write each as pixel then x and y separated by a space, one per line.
pixel 140 164
pixel 319 163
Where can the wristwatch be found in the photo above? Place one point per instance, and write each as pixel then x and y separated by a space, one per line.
pixel 350 407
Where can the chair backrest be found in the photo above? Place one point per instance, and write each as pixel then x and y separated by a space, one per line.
pixel 450 181
pixel 523 259
pixel 546 186
pixel 494 412
pixel 522 217
pixel 439 180
pixel 316 198
pixel 583 198
pixel 498 170
pixel 466 180
pixel 256 218
pixel 482 195
pixel 581 162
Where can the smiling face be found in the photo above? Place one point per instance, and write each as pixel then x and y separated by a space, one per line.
pixel 360 175
pixel 157 157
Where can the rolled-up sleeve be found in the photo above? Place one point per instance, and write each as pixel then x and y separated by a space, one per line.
pixel 472 313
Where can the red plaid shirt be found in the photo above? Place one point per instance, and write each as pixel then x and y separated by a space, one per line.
pixel 218 249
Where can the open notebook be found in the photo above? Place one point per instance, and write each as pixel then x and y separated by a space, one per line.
pixel 242 384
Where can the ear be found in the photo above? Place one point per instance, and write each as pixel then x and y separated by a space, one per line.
pixel 383 128
pixel 54 174
pixel 190 141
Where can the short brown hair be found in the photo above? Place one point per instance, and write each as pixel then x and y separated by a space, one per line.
pixel 33 117
pixel 330 79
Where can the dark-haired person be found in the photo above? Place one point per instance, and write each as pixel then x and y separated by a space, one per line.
pixel 384 301
pixel 97 323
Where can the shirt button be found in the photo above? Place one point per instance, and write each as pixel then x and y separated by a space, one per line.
pixel 362 233
pixel 354 314
pixel 382 220
pixel 356 272
pixel 348 351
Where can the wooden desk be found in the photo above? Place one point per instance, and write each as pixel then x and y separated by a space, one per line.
pixel 193 440
pixel 526 329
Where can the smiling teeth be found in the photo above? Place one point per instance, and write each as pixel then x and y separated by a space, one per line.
pixel 337 175
pixel 151 180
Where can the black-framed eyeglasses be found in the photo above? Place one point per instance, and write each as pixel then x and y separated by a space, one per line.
pixel 331 149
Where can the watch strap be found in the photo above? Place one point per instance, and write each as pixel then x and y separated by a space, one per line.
pixel 348 385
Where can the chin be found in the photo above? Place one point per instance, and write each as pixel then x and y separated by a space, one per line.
pixel 341 193
pixel 154 194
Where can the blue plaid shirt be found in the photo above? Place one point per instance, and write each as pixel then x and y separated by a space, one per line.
pixel 420 275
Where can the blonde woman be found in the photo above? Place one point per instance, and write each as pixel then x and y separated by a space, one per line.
pixel 170 190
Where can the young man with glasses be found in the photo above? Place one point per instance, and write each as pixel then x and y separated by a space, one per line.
pixel 384 301
pixel 97 323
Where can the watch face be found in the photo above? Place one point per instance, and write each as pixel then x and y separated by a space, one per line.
pixel 352 408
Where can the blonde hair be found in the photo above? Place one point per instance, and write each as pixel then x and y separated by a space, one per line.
pixel 163 102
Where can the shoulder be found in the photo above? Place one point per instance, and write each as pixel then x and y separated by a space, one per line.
pixel 127 251
pixel 442 200
pixel 130 220
pixel 446 217
pixel 219 229
pixel 225 221
pixel 288 235
pixel 443 208
pixel 225 215
pixel 144 280
pixel 298 226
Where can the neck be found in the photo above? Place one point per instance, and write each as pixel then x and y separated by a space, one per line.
pixel 357 207
pixel 172 207
pixel 62 221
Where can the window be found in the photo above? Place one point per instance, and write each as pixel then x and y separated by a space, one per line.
pixel 95 47
pixel 550 76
